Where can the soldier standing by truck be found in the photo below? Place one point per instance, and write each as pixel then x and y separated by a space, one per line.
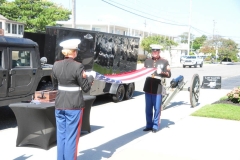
pixel 71 79
pixel 153 88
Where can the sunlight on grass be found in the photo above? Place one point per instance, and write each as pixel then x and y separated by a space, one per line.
pixel 223 111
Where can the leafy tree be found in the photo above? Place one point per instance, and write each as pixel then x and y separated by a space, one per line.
pixel 184 37
pixel 2 1
pixel 226 48
pixel 36 14
pixel 161 40
pixel 198 42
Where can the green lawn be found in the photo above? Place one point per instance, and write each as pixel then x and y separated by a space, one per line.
pixel 222 111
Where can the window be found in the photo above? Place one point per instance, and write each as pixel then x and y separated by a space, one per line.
pixel 96 29
pixel 14 29
pixel 20 29
pixel 8 28
pixel 0 25
pixel 21 59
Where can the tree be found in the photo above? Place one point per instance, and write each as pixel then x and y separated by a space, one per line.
pixel 198 42
pixel 184 37
pixel 2 1
pixel 226 48
pixel 163 41
pixel 35 14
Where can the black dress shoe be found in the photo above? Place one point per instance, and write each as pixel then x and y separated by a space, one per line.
pixel 147 129
pixel 154 130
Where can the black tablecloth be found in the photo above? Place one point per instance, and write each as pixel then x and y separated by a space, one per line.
pixel 37 123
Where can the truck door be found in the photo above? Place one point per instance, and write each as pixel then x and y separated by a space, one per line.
pixel 3 73
pixel 22 73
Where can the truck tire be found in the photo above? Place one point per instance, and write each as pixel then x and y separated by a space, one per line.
pixel 129 91
pixel 195 65
pixel 118 97
pixel 201 65
pixel 184 66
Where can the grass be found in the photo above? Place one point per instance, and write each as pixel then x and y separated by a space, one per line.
pixel 219 110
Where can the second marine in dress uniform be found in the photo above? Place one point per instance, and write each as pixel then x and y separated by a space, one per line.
pixel 71 79
pixel 153 88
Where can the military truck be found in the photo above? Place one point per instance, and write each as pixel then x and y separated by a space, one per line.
pixel 22 72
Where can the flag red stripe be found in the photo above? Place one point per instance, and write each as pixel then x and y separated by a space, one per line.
pixel 125 73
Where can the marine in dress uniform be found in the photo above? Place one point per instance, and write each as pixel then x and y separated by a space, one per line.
pixel 153 88
pixel 70 79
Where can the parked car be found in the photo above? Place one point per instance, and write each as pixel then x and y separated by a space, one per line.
pixel 182 59
pixel 193 61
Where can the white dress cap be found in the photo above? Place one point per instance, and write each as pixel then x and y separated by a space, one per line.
pixel 155 46
pixel 70 44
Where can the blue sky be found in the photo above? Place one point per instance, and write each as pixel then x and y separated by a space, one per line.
pixel 169 17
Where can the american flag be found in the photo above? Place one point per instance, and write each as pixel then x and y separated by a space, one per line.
pixel 126 77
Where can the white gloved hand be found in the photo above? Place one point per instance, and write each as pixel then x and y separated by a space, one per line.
pixel 92 73
pixel 159 69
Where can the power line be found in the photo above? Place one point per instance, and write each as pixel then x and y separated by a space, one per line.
pixel 152 7
pixel 196 29
pixel 142 11
pixel 200 31
pixel 143 16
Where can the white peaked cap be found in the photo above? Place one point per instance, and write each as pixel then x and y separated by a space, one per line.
pixel 70 44
pixel 155 46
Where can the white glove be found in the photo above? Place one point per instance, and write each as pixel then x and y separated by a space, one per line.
pixel 159 69
pixel 92 73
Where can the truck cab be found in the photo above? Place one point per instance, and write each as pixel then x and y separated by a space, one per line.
pixel 21 71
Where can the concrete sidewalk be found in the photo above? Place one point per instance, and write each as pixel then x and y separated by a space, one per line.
pixel 184 137
pixel 117 134
pixel 192 138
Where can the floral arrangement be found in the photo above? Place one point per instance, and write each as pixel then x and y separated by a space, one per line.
pixel 234 95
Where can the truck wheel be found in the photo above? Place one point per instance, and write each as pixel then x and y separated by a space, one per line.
pixel 129 91
pixel 195 65
pixel 184 66
pixel 118 97
pixel 201 64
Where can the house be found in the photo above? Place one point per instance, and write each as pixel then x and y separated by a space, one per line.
pixel 108 27
pixel 10 28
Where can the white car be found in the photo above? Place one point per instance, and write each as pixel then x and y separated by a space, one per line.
pixel 193 61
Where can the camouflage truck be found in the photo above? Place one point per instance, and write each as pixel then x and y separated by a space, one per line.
pixel 22 72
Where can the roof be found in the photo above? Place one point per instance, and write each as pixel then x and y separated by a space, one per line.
pixel 11 41
pixel 2 17
pixel 7 20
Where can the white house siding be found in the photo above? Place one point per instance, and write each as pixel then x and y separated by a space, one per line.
pixel 11 28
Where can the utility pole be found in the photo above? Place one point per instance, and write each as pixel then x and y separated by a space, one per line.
pixel 215 40
pixel 190 16
pixel 73 13
pixel 213 28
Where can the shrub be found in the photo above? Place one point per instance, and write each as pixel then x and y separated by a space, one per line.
pixel 234 95
pixel 207 58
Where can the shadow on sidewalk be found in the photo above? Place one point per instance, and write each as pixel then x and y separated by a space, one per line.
pixel 107 149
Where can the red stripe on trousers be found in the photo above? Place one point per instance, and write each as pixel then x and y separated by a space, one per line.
pixel 78 134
